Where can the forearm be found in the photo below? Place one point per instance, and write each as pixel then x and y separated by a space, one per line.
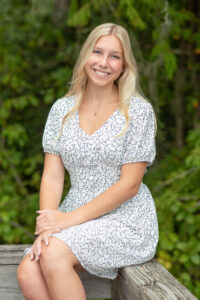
pixel 50 192
pixel 104 203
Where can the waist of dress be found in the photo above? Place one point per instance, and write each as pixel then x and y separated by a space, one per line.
pixel 86 194
pixel 133 208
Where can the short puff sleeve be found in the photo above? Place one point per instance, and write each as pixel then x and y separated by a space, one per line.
pixel 50 138
pixel 140 142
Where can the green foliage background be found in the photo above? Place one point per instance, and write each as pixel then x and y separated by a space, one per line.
pixel 39 43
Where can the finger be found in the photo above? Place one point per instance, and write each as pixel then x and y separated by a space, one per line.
pixel 43 222
pixel 34 252
pixel 31 253
pixel 43 229
pixel 40 218
pixel 39 225
pixel 42 211
pixel 36 229
pixel 38 251
pixel 42 225
pixel 55 230
pixel 46 239
pixel 36 247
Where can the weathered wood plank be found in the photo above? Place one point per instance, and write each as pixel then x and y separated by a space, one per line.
pixel 11 255
pixel 9 289
pixel 95 287
pixel 148 281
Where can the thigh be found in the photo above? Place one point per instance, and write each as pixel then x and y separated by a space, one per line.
pixel 60 251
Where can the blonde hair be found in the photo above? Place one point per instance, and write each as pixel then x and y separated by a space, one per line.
pixel 128 81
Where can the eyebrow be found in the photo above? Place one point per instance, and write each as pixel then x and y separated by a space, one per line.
pixel 111 51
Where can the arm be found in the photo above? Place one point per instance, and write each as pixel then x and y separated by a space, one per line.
pixel 127 187
pixel 139 151
pixel 52 182
pixel 51 187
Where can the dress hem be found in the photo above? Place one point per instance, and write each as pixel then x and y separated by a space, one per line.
pixel 82 264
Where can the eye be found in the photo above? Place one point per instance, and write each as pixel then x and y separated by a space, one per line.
pixel 96 51
pixel 115 56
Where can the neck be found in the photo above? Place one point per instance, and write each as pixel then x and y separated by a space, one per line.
pixel 98 96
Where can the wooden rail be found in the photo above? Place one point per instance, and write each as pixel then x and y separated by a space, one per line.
pixel 147 281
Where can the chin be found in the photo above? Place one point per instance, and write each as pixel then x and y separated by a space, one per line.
pixel 101 82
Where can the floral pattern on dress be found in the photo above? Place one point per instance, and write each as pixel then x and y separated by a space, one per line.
pixel 128 234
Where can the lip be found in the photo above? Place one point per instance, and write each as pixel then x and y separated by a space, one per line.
pixel 106 73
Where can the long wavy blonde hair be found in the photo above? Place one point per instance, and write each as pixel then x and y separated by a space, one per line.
pixel 128 81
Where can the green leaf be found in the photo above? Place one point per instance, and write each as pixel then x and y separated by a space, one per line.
pixel 195 259
pixel 81 17
pixel 184 258
pixel 159 49
pixel 170 64
pixel 129 11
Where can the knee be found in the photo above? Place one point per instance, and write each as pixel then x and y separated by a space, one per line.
pixel 25 272
pixel 55 257
pixel 46 259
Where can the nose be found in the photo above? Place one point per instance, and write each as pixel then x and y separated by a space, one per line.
pixel 103 63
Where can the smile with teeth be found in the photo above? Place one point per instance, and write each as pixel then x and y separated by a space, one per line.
pixel 102 74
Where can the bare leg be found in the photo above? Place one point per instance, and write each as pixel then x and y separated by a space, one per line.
pixel 58 265
pixel 31 280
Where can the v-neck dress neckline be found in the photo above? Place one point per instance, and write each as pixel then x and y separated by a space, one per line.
pixel 100 128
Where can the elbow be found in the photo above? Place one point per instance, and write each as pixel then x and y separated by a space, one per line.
pixel 132 190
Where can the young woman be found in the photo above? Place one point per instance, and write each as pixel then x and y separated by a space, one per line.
pixel 103 133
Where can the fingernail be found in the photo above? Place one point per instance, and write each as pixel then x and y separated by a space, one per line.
pixel 37 258
pixel 46 243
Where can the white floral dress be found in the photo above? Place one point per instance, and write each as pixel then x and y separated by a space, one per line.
pixel 127 235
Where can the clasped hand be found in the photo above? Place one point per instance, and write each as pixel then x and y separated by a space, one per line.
pixel 48 222
pixel 50 219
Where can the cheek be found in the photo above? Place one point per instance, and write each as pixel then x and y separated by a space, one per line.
pixel 91 61
pixel 117 66
pixel 88 67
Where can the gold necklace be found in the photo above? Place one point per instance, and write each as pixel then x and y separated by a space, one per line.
pixel 95 112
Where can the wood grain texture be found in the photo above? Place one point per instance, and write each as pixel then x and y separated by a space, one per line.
pixel 150 281
pixel 147 281
pixel 10 257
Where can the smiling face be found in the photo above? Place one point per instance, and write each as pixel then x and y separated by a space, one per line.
pixel 106 61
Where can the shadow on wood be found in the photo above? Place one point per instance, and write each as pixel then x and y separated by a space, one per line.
pixel 147 281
